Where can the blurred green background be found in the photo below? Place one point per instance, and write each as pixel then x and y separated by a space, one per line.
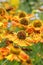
pixel 26 5
pixel 30 5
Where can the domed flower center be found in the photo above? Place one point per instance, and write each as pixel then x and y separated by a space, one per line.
pixel 22 14
pixel 2 12
pixel 21 35
pixel 28 61
pixel 24 21
pixel 37 24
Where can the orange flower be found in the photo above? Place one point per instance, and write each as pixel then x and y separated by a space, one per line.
pixel 5 24
pixel 23 56
pixel 4 51
pixel 21 39
pixel 41 29
pixel 30 30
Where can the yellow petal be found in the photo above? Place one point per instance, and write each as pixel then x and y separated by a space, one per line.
pixel 1 23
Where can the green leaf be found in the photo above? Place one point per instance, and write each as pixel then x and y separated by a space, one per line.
pixel 7 62
pixel 18 29
pixel 33 52
pixel 3 44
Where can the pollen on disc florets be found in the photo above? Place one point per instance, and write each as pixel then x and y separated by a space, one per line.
pixel 21 35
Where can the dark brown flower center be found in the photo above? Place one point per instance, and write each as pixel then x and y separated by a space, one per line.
pixel 22 14
pixel 42 36
pixel 21 35
pixel 24 21
pixel 28 61
pixel 37 31
pixel 9 9
pixel 2 12
pixel 37 24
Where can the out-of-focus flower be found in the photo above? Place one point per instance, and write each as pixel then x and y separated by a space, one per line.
pixel 15 2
